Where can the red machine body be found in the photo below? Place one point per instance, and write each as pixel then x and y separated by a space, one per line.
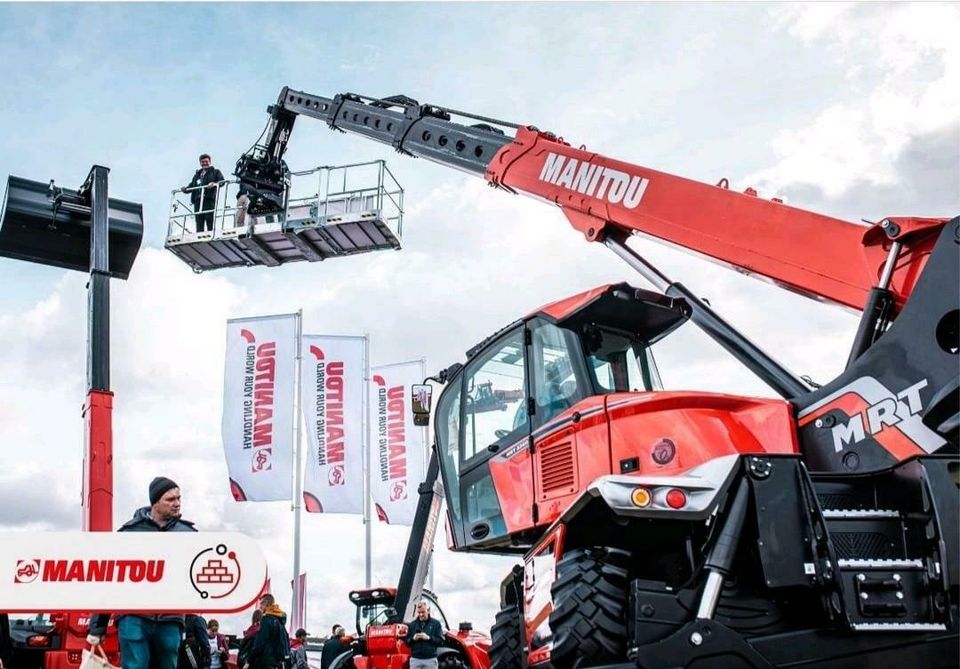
pixel 696 427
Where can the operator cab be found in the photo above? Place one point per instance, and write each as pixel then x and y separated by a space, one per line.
pixel 320 213
pixel 521 384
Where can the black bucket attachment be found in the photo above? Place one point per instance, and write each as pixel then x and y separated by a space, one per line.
pixel 43 224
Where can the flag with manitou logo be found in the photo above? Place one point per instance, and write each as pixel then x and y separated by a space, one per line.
pixel 397 446
pixel 258 406
pixel 332 401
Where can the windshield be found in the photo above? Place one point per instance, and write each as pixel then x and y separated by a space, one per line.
pixel 371 614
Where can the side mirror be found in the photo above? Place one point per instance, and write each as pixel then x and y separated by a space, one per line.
pixel 422 394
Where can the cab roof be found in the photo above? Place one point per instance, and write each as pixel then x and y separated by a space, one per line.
pixel 645 313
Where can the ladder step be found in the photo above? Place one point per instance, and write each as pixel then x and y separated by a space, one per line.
pixel 835 514
pixel 899 627
pixel 880 564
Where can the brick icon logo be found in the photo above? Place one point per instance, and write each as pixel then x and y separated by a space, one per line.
pixel 215 572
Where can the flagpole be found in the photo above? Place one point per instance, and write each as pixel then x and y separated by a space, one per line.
pixel 298 477
pixel 367 528
pixel 425 457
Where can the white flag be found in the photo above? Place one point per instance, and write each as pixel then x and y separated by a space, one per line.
pixel 258 406
pixel 332 400
pixel 397 446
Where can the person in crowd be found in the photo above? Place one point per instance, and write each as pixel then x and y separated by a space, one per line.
pixel 194 647
pixel 298 650
pixel 271 645
pixel 338 644
pixel 249 635
pixel 203 192
pixel 6 643
pixel 149 641
pixel 424 636
pixel 219 648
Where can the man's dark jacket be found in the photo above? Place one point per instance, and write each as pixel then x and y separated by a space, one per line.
pixel 271 644
pixel 424 649
pixel 142 522
pixel 332 649
pixel 202 178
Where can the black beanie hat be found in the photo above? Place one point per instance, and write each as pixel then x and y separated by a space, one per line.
pixel 158 487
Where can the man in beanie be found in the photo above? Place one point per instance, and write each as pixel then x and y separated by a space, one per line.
pixel 149 641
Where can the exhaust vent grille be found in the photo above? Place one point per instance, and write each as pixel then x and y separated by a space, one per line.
pixel 558 472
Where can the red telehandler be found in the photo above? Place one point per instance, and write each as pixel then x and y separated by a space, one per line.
pixel 688 529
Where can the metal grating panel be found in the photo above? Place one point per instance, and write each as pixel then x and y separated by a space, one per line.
pixel 558 474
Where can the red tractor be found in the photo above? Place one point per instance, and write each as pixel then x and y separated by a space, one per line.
pixel 670 528
pixel 380 636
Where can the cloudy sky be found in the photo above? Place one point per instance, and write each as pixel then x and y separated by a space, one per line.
pixel 845 109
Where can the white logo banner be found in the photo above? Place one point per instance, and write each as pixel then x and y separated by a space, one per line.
pixel 176 572
pixel 332 401
pixel 258 406
pixel 397 446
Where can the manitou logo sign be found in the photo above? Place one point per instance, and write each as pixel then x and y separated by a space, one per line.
pixel 102 571
pixel 584 177
pixel 872 410
pixel 127 572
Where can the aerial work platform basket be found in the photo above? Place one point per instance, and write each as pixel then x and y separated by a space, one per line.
pixel 329 212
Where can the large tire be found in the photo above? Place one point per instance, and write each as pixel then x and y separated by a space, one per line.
pixel 506 639
pixel 451 661
pixel 589 617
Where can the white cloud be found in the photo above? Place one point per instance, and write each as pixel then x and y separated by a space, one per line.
pixel 903 71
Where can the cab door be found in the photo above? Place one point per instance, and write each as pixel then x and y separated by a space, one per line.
pixel 570 438
pixel 494 421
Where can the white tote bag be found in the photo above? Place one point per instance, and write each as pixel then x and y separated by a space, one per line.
pixel 95 659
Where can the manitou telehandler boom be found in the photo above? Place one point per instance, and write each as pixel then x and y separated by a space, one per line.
pixel 680 529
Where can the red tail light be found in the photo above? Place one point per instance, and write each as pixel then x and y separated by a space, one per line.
pixel 676 498
pixel 38 641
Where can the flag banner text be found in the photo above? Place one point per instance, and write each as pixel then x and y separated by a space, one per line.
pixel 332 402
pixel 397 446
pixel 258 406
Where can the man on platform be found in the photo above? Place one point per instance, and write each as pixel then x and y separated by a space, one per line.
pixel 203 192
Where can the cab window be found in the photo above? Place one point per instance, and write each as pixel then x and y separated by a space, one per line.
pixel 619 363
pixel 554 371
pixel 494 399
pixel 447 427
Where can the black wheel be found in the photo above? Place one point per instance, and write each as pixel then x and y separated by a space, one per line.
pixel 506 639
pixel 589 617
pixel 451 661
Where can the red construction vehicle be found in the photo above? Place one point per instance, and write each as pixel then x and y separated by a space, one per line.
pixel 689 529
pixel 380 636
pixel 381 612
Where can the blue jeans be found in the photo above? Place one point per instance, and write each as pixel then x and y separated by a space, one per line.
pixel 145 644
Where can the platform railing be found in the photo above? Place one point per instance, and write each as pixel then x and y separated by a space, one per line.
pixel 343 190
pixel 320 196
pixel 220 201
